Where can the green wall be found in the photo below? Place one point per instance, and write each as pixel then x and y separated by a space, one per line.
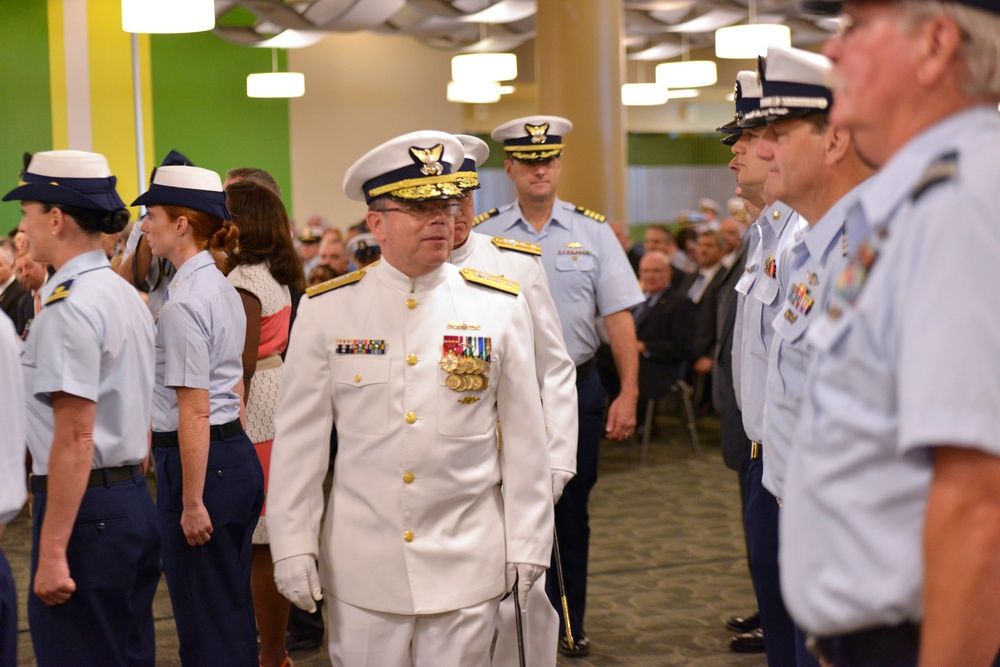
pixel 201 107
pixel 25 104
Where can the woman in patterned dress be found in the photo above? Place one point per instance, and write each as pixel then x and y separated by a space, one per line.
pixel 264 268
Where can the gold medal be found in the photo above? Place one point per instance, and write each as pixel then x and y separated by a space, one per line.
pixel 453 382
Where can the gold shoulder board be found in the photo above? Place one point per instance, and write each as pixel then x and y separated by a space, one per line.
pixel 60 292
pixel 515 244
pixel 346 279
pixel 483 217
pixel 600 217
pixel 490 280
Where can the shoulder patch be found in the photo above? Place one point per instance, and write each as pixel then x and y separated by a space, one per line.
pixel 483 217
pixel 600 217
pixel 941 170
pixel 346 279
pixel 490 280
pixel 515 244
pixel 59 293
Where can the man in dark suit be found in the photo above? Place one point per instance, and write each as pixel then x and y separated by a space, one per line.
pixel 664 325
pixel 15 301
pixel 703 289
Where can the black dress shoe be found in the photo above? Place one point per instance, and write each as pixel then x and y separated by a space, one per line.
pixel 302 642
pixel 744 623
pixel 748 642
pixel 581 646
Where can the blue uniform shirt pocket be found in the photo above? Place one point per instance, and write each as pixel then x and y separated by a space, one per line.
pixel 766 290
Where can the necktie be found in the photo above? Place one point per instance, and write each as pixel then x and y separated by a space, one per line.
pixel 641 311
pixel 38 301
pixel 694 292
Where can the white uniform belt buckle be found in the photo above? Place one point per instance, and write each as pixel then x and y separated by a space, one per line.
pixel 756 449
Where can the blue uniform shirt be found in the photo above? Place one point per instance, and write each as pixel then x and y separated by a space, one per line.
pixel 762 299
pixel 200 333
pixel 807 268
pixel 95 342
pixel 906 359
pixel 587 269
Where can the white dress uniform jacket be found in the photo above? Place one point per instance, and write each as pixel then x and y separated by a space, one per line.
pixel 416 522
pixel 13 491
pixel 555 370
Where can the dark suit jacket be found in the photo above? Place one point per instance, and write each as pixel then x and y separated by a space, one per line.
pixel 12 302
pixel 735 444
pixel 704 343
pixel 668 331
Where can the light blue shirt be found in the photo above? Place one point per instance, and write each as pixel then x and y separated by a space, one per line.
pixel 905 360
pixel 587 269
pixel 156 279
pixel 762 299
pixel 95 343
pixel 808 268
pixel 12 444
pixel 200 333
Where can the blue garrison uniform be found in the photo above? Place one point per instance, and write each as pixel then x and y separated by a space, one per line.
pixel 905 360
pixel 200 333
pixel 588 273
pixel 93 339
pixel 12 489
pixel 807 270
pixel 760 297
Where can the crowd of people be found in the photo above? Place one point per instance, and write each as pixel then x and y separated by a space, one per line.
pixel 451 371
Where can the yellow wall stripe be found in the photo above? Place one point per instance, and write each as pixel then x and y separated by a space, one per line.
pixel 57 75
pixel 111 104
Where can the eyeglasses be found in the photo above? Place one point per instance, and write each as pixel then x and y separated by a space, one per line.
pixel 426 210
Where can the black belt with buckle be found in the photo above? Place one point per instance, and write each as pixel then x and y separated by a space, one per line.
pixel 98 477
pixel 586 368
pixel 217 433
pixel 875 645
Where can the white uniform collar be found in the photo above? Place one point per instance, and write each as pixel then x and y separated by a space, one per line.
pixel 402 283
pixel 460 255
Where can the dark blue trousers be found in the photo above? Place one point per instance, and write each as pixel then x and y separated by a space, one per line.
pixel 8 615
pixel 572 518
pixel 210 584
pixel 784 643
pixel 114 558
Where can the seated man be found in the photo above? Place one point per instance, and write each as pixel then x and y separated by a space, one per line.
pixel 664 325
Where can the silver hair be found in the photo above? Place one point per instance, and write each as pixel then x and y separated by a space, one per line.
pixel 980 48
pixel 7 252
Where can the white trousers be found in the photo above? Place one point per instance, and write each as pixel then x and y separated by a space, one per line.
pixel 541 630
pixel 365 638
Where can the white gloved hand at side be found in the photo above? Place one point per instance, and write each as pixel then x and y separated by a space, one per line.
pixel 297 579
pixel 527 574
pixel 560 478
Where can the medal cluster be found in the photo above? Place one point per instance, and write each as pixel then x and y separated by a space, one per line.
pixel 466 359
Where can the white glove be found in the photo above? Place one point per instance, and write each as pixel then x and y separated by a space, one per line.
pixel 297 579
pixel 560 478
pixel 527 574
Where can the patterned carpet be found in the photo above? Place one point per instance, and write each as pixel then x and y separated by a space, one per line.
pixel 667 561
